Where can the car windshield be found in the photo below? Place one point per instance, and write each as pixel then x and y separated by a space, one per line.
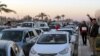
pixel 27 25
pixel 52 39
pixel 12 35
pixel 2 52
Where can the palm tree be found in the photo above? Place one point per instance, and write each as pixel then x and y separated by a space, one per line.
pixel 63 16
pixel 58 17
pixel 27 18
pixel 42 15
pixel 3 7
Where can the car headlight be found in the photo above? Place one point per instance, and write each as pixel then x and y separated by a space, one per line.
pixel 33 52
pixel 64 51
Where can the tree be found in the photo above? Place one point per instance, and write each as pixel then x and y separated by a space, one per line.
pixel 3 7
pixel 63 15
pixel 27 18
pixel 58 17
pixel 42 15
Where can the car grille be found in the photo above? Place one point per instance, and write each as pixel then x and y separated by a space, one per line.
pixel 47 54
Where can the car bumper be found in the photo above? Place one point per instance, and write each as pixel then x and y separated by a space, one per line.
pixel 68 54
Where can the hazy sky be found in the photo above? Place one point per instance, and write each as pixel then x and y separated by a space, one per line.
pixel 76 9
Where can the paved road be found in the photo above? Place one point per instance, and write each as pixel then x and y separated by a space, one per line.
pixel 83 50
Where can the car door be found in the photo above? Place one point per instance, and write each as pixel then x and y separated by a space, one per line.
pixel 26 37
pixel 29 35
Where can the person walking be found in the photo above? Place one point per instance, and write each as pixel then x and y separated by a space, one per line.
pixel 83 32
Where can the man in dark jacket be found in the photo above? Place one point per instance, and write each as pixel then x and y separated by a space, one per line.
pixel 93 34
pixel 84 31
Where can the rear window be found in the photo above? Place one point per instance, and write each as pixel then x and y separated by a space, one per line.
pixel 42 25
pixel 27 25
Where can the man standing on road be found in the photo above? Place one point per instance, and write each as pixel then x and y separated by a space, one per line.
pixel 84 31
pixel 93 34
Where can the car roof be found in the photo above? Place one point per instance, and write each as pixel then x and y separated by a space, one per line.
pixel 70 26
pixel 19 29
pixel 28 22
pixel 66 29
pixel 4 26
pixel 4 44
pixel 37 28
pixel 55 32
pixel 41 22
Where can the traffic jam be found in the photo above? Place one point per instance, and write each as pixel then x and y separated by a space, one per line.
pixel 39 39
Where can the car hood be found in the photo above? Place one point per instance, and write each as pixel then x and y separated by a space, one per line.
pixel 49 48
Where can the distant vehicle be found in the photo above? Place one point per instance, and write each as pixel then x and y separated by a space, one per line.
pixel 70 26
pixel 24 37
pixel 41 25
pixel 75 27
pixel 10 48
pixel 53 25
pixel 70 30
pixel 28 24
pixel 18 24
pixel 54 43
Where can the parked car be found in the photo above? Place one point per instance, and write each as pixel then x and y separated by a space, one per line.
pixel 28 24
pixel 24 37
pixel 10 48
pixel 54 43
pixel 42 25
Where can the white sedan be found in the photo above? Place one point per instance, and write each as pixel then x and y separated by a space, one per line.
pixel 54 43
